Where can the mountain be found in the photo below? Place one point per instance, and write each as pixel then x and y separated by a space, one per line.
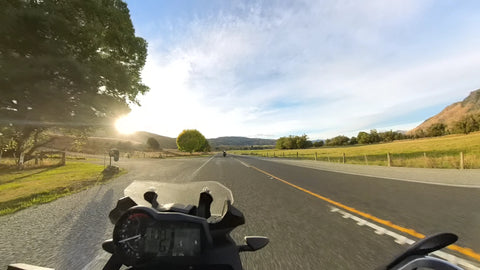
pixel 231 142
pixel 453 113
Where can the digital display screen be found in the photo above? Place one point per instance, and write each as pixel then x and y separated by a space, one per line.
pixel 173 239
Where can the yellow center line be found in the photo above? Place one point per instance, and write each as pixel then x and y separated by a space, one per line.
pixel 466 251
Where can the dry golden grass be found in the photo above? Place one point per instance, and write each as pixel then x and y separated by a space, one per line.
pixel 439 152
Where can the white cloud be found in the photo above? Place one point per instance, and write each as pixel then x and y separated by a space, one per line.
pixel 323 68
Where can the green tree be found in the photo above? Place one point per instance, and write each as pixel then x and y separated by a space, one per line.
pixel 420 133
pixel 281 143
pixel 363 137
pixel 472 123
pixel 318 143
pixel 293 142
pixel 302 142
pixel 387 136
pixel 206 146
pixel 374 136
pixel 71 64
pixel 191 140
pixel 461 126
pixel 153 144
pixel 437 129
pixel 338 140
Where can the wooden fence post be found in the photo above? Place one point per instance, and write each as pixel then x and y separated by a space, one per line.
pixel 315 156
pixel 62 162
pixel 283 154
pixel 297 154
pixel 328 158
pixel 389 160
pixel 462 161
pixel 343 158
pixel 366 160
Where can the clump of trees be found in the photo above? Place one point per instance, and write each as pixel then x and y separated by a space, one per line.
pixel 191 140
pixel 376 137
pixel 153 144
pixel 294 142
pixel 469 123
pixel 366 138
pixel 318 143
pixel 338 140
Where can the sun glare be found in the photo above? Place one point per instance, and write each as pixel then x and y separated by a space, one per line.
pixel 125 125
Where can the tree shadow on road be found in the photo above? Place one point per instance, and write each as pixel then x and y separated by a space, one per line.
pixel 86 235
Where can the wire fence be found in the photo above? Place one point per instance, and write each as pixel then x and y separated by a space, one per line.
pixel 458 160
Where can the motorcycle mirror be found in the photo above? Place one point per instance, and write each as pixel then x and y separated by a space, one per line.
pixel 254 243
pixel 204 203
pixel 151 197
pixel 426 246
pixel 123 205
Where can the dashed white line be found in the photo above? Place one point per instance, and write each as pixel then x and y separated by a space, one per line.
pixel 400 239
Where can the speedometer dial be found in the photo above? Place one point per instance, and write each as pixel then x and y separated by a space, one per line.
pixel 129 235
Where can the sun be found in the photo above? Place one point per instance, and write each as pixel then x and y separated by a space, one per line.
pixel 125 125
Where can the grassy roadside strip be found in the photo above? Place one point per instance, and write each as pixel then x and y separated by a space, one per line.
pixel 22 189
pixel 438 152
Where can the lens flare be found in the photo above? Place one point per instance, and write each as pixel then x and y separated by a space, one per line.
pixel 125 125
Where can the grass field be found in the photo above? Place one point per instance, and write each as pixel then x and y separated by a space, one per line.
pixel 22 188
pixel 438 152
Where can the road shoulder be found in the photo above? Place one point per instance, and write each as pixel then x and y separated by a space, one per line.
pixel 444 177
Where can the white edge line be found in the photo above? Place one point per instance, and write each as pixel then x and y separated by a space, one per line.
pixel 400 239
pixel 375 176
pixel 199 168
pixel 244 164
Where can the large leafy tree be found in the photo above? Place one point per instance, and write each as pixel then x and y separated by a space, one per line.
pixel 66 64
pixel 191 140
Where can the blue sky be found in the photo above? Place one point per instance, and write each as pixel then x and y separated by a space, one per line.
pixel 322 68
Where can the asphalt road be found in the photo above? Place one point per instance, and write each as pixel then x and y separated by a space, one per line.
pixel 303 230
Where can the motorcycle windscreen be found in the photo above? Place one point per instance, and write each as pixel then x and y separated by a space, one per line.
pixel 184 193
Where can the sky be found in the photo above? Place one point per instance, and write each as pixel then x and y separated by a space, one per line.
pixel 268 69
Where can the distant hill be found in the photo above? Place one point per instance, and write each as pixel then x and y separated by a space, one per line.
pixel 139 137
pixel 142 137
pixel 453 113
pixel 103 140
pixel 232 142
